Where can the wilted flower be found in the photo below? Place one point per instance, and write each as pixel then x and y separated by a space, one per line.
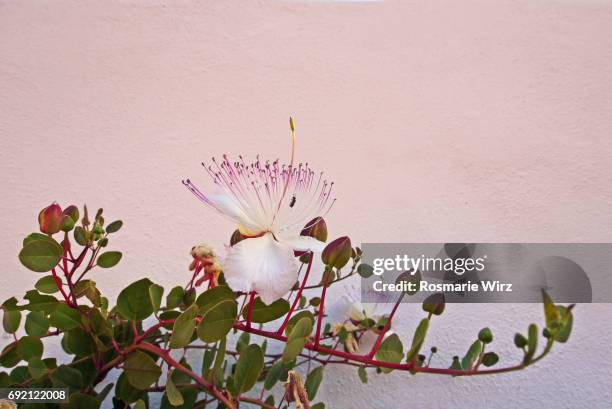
pixel 204 259
pixel 295 391
pixel 271 203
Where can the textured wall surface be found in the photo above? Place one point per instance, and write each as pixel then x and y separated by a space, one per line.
pixel 439 121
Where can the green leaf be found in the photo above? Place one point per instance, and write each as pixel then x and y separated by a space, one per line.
pixel 297 338
pixel 156 293
pixel 248 368
pixel 266 313
pixel 471 355
pixel 36 236
pixel 313 381
pixel 114 226
pixel 80 400
pixel 175 297
pixel 134 302
pixel 274 374
pixel 219 361
pixel 36 324
pixel 109 259
pixel 565 329
pixel 297 317
pixel 319 405
pixel 78 342
pixel 9 356
pixel 211 297
pixel 141 370
pixel 46 285
pixel 218 320
pixel 66 377
pixel 40 302
pixel 365 270
pixel 41 255
pixel 11 320
pixel 490 359
pixel 126 391
pixel 65 318
pixel 391 350
pixel 182 331
pixel 363 374
pixel 418 339
pixel 532 343
pixel 36 367
pixel 174 395
pixel 29 347
pixel 80 236
pixel 140 404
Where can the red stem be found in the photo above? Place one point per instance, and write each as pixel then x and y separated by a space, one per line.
pixel 250 310
pixel 297 298
pixel 320 315
pixel 58 283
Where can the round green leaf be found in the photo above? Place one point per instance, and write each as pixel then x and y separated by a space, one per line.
pixel 266 313
pixel 248 368
pixel 29 347
pixel 313 381
pixel 490 359
pixel 365 270
pixel 156 292
pixel 390 350
pixel 66 377
pixel 65 318
pixel 217 321
pixel 36 367
pixel 36 324
pixel 41 255
pixel 114 226
pixel 109 259
pixel 134 302
pixel 141 370
pixel 175 297
pixel 183 328
pixel 274 374
pixel 46 285
pixel 80 236
pixel 11 320
pixel 174 395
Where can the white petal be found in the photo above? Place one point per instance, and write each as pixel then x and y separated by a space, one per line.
pixel 263 265
pixel 229 206
pixel 304 243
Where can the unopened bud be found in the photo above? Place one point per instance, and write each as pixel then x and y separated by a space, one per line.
pixel 316 228
pixel 485 335
pixel 50 218
pixel 73 212
pixel 338 252
pixel 434 304
pixel 66 223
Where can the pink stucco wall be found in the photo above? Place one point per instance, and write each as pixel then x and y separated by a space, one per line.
pixel 438 121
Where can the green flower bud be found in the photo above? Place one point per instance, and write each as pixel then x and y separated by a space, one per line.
pixel 49 219
pixel 338 252
pixel 73 212
pixel 485 335
pixel 520 341
pixel 434 304
pixel 66 223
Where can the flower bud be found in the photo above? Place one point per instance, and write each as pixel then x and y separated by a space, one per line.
pixel 434 304
pixel 49 219
pixel 520 341
pixel 337 253
pixel 485 335
pixel 73 212
pixel 316 228
pixel 66 224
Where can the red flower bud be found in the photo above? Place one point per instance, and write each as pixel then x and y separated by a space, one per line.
pixel 73 212
pixel 338 252
pixel 49 219
pixel 316 228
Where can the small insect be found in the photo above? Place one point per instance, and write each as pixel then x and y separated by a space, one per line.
pixel 292 202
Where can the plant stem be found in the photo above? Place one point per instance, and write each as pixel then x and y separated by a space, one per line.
pixel 297 297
